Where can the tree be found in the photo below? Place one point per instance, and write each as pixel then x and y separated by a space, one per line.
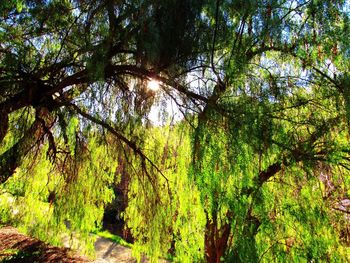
pixel 72 74
pixel 262 118
pixel 269 114
pixel 56 52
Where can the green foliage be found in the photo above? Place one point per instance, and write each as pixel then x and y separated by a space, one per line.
pixel 167 215
pixel 259 172
pixel 9 256
pixel 52 202
pixel 299 226
pixel 114 238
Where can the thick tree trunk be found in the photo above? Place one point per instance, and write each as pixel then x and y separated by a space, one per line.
pixel 216 239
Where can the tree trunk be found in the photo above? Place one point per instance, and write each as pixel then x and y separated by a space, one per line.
pixel 216 239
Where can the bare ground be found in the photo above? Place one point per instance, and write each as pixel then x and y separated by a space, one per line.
pixel 110 252
pixel 26 249
pixel 32 250
pixel 17 247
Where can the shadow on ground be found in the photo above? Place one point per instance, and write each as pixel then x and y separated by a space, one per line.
pixel 16 247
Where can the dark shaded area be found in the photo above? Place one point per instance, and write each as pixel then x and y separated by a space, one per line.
pixel 26 249
pixel 113 220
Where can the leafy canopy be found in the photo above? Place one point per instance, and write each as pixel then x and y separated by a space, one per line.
pixel 257 168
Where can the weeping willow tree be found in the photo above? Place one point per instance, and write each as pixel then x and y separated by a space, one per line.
pixel 74 100
pixel 277 111
pixel 64 200
pixel 270 142
pixel 169 221
pixel 256 170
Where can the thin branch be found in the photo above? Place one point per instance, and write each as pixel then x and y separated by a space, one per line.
pixel 120 136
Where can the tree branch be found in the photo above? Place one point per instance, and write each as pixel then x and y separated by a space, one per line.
pixel 120 136
pixel 13 157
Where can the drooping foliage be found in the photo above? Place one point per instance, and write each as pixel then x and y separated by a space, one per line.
pixel 257 168
pixel 171 220
pixel 64 200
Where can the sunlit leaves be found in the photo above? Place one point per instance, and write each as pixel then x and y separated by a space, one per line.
pixel 170 218
pixel 53 201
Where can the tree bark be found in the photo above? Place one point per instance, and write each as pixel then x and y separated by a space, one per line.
pixel 216 239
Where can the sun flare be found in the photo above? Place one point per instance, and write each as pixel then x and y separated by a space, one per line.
pixel 153 85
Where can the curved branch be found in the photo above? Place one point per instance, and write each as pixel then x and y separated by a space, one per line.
pixel 121 137
pixel 13 157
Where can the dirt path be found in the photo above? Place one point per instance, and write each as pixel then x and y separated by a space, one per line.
pixel 26 249
pixel 110 252
pixel 33 250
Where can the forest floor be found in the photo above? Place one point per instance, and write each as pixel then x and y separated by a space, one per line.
pixel 17 247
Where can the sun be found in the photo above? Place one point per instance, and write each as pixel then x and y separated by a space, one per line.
pixel 153 85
